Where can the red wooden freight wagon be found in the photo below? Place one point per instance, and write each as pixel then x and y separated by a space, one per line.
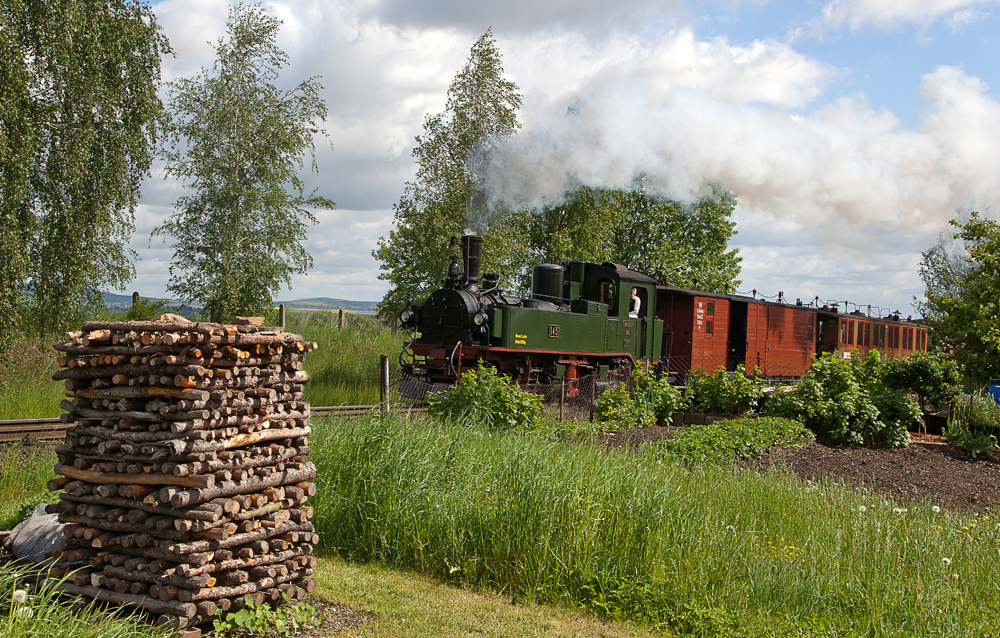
pixel 705 331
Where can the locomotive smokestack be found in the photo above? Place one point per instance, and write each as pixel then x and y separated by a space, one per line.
pixel 472 246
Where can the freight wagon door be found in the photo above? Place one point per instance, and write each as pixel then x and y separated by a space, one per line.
pixel 737 343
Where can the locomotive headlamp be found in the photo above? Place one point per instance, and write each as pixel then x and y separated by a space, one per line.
pixel 479 319
pixel 405 316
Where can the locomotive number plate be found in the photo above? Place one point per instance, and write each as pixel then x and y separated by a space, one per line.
pixel 627 323
pixel 626 342
pixel 553 330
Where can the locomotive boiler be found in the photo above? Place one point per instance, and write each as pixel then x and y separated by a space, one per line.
pixel 576 321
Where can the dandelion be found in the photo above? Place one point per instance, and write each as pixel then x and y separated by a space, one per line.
pixel 24 613
pixel 946 561
pixel 862 509
pixel 936 509
pixel 899 510
pixel 955 576
pixel 20 596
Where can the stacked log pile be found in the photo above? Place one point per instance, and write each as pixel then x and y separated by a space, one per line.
pixel 183 478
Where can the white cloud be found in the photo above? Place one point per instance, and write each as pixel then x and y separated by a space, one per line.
pixel 891 13
pixel 518 15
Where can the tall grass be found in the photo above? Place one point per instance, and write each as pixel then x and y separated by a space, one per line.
pixel 344 370
pixel 705 550
pixel 24 470
pixel 27 390
pixel 44 614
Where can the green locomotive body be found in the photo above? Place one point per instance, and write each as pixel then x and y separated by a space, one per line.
pixel 575 322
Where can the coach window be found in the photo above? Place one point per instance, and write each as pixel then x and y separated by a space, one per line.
pixel 850 332
pixel 881 336
pixel 709 327
pixel 868 334
pixel 843 331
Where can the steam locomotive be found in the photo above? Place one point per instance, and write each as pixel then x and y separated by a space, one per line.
pixel 577 322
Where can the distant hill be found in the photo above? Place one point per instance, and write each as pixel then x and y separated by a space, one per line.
pixel 122 302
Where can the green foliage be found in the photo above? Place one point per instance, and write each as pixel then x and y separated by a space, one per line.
pixel 78 114
pixel 725 441
pixel 972 441
pixel 264 620
pixel 644 402
pixel 676 244
pixel 725 393
pixel 483 396
pixel 935 377
pixel 963 296
pixel 443 199
pixel 47 612
pixel 24 472
pixel 847 400
pixel 980 412
pixel 238 141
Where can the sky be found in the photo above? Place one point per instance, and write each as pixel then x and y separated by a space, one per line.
pixel 851 131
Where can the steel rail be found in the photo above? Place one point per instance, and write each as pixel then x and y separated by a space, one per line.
pixel 53 428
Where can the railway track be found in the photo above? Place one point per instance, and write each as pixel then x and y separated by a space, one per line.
pixel 53 429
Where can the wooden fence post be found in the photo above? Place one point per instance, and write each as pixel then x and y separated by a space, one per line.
pixel 562 397
pixel 281 316
pixel 384 384
pixel 135 298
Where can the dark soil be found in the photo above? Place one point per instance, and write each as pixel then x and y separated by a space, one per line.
pixel 913 473
pixel 336 618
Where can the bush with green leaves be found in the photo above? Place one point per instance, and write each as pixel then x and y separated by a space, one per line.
pixel 644 402
pixel 847 400
pixel 728 440
pixel 726 393
pixel 935 377
pixel 486 397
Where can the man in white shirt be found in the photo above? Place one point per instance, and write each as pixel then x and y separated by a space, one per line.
pixel 633 306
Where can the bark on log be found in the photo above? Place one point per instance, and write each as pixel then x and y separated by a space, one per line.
pixel 182 609
pixel 250 485
pixel 204 482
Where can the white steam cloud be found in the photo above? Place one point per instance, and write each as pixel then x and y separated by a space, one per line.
pixel 845 163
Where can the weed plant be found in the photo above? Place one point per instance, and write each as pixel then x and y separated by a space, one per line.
pixel 701 550
pixel 484 396
pixel 732 439
pixel 645 401
pixel 24 471
pixel 35 611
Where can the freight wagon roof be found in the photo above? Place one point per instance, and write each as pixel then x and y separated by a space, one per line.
pixel 847 315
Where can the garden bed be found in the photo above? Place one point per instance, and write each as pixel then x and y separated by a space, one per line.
pixel 914 473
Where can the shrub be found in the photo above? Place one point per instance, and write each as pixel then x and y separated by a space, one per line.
pixel 645 402
pixel 725 393
pixel 483 396
pixel 734 438
pixel 935 377
pixel 847 401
